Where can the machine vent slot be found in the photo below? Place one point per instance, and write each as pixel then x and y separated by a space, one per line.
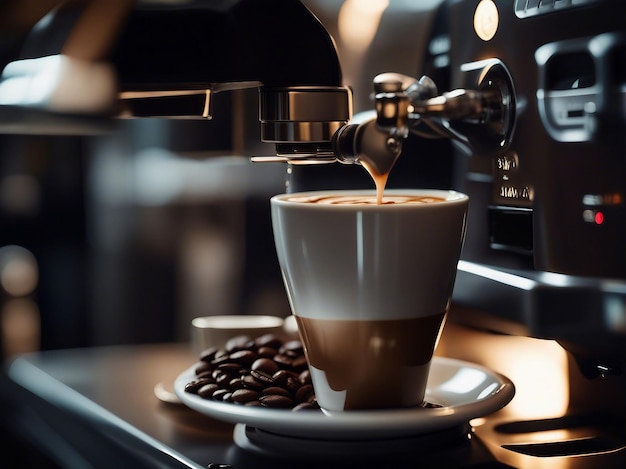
pixel 511 229
pixel 526 8
pixel 581 446
pixel 570 89
pixel 572 70
pixel 589 434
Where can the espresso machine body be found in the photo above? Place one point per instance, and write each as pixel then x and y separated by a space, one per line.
pixel 549 208
pixel 565 161
pixel 544 257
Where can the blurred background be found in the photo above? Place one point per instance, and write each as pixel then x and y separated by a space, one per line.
pixel 124 237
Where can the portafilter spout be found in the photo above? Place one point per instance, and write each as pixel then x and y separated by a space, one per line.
pixel 480 119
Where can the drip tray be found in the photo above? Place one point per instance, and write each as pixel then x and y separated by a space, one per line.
pixel 273 444
pixel 576 447
pixel 581 435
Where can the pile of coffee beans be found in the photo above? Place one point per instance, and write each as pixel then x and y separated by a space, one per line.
pixel 265 371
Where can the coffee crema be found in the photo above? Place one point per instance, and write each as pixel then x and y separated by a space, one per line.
pixel 374 362
pixel 366 200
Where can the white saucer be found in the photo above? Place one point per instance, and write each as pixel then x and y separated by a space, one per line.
pixel 465 390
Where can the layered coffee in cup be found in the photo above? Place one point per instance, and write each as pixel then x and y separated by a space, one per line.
pixel 370 285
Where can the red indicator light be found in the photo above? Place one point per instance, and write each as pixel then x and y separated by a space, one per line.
pixel 599 218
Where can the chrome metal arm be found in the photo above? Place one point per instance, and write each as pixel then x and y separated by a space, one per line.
pixel 479 119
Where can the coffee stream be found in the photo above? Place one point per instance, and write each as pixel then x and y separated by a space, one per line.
pixel 380 179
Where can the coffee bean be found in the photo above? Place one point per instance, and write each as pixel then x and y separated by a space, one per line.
pixel 196 384
pixel 220 353
pixel 206 375
pixel 281 376
pixel 218 360
pixel 300 363
pixel 240 342
pixel 266 352
pixel 201 367
pixel 235 383
pixel 207 390
pixel 292 348
pixel 304 393
pixel 263 377
pixel 268 340
pixel 306 406
pixel 208 354
pixel 261 372
pixel 250 382
pixel 266 365
pixel 243 357
pixel 283 361
pixel 232 368
pixel 277 391
pixel 292 384
pixel 219 394
pixel 223 378
pixel 276 401
pixel 245 395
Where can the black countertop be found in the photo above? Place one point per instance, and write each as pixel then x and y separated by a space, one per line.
pixel 96 407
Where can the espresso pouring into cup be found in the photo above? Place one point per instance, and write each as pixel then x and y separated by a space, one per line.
pixel 369 275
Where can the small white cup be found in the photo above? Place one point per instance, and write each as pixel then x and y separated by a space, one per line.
pixel 215 331
pixel 369 286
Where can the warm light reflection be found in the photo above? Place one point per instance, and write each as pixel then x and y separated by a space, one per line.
pixel 465 380
pixel 540 369
pixel 486 20
pixel 19 273
pixel 20 326
pixel 477 422
pixel 497 275
pixel 59 83
pixel 358 22
pixel 537 367
pixel 488 391
pixel 548 436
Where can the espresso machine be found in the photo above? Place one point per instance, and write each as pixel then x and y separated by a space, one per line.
pixel 520 103
pixel 542 257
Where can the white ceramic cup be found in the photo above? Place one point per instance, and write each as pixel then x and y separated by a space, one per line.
pixel 370 286
pixel 215 331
